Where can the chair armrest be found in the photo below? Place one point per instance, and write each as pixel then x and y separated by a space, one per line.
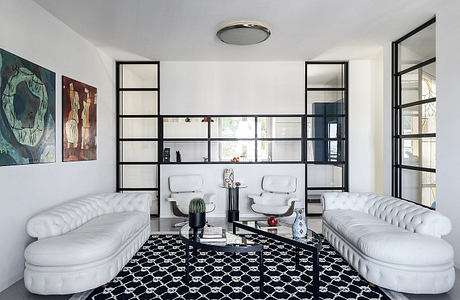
pixel 209 198
pixel 254 197
pixel 290 200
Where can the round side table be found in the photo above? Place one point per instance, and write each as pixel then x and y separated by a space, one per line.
pixel 233 192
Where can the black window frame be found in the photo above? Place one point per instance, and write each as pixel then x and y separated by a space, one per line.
pixel 396 116
pixel 344 161
pixel 120 116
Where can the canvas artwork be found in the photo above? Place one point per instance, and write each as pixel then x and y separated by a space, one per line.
pixel 79 124
pixel 27 112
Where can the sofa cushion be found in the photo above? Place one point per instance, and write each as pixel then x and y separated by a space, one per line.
pixel 388 243
pixel 95 240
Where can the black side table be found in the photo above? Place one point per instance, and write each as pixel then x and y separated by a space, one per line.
pixel 233 213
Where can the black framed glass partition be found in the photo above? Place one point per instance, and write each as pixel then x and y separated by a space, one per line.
pixel 414 116
pixel 326 126
pixel 232 138
pixel 138 144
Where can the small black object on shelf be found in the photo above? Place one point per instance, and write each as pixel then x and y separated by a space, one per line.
pixel 178 157
pixel 167 155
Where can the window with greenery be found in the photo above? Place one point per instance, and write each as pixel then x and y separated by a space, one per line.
pixel 414 116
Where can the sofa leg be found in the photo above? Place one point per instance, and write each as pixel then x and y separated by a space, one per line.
pixel 371 284
pixel 104 286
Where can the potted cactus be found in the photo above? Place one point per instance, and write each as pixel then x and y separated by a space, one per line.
pixel 197 215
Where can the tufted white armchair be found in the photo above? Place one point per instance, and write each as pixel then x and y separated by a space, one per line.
pixel 278 198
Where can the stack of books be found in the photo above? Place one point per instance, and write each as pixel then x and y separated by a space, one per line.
pixel 213 235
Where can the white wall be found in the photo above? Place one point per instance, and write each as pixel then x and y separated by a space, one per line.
pixel 448 119
pixel 250 175
pixel 365 125
pixel 232 87
pixel 30 32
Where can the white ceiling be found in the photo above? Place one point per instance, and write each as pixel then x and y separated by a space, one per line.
pixel 186 30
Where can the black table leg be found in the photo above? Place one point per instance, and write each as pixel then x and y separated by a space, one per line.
pixel 316 274
pixel 261 266
pixel 234 228
pixel 186 264
pixel 297 264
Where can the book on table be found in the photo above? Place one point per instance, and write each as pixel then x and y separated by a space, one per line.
pixel 213 235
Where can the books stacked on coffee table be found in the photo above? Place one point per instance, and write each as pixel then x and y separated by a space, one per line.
pixel 213 235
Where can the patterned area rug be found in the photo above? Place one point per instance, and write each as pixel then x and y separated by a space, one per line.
pixel 157 271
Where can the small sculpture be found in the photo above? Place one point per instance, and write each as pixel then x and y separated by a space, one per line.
pixel 228 177
pixel 178 157
pixel 272 221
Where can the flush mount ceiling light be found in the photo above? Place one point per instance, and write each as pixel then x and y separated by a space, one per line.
pixel 243 33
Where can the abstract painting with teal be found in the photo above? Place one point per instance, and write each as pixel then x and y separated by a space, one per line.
pixel 27 112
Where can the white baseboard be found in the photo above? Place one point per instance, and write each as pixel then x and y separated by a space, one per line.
pixel 6 283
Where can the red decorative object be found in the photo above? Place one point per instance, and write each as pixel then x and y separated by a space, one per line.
pixel 272 221
pixel 237 183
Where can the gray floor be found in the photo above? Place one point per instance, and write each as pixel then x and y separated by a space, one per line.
pixel 165 225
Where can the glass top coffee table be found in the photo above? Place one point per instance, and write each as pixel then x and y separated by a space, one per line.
pixel 282 232
pixel 232 244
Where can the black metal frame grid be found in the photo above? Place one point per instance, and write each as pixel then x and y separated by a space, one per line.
pixel 119 139
pixel 344 161
pixel 209 139
pixel 397 106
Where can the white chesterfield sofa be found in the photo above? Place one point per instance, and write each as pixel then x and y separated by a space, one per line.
pixel 84 243
pixel 391 242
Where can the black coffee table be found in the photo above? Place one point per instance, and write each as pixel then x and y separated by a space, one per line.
pixel 233 244
pixel 283 233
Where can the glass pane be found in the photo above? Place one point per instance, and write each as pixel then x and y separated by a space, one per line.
pixel 324 176
pixel 188 151
pixel 154 195
pixel 139 176
pixel 139 76
pixel 324 76
pixel 419 187
pixel 325 151
pixel 322 127
pixel 138 128
pixel 325 102
pixel 419 119
pixel 419 152
pixel 136 151
pixel 185 128
pixel 228 150
pixel 419 84
pixel 233 127
pixel 279 127
pixel 138 103
pixel 279 151
pixel 417 48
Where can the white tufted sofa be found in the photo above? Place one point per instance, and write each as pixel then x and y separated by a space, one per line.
pixel 391 242
pixel 84 243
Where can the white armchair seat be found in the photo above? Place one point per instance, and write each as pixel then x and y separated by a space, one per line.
pixel 391 242
pixel 278 198
pixel 183 189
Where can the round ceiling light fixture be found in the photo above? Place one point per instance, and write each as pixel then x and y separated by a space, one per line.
pixel 243 33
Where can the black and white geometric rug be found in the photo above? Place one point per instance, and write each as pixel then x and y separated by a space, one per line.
pixel 157 271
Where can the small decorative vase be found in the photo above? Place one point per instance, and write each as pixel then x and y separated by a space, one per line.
pixel 299 228
pixel 228 177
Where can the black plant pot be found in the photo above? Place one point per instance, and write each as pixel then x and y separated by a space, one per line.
pixel 196 221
